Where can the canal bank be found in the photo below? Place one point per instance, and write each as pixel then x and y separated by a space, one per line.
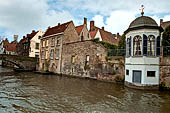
pixel 30 92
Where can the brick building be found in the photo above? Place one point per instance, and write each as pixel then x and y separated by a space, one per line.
pixel 164 24
pixel 103 35
pixel 51 45
pixel 30 44
pixel 83 32
pixel 9 48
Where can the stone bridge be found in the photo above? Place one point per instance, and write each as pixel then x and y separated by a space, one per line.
pixel 20 62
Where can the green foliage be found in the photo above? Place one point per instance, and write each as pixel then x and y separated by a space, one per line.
pixel 86 67
pixel 119 78
pixel 121 63
pixel 105 44
pixel 113 72
pixel 166 36
pixel 121 44
pixel 107 58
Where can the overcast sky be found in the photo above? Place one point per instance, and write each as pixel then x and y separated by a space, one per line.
pixel 22 16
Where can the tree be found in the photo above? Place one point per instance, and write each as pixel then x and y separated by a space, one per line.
pixel 122 42
pixel 166 37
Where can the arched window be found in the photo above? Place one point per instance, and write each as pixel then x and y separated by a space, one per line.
pixel 137 46
pixel 128 47
pixel 151 45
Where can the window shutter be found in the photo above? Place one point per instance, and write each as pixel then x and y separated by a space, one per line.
pixel 145 43
pixel 158 47
pixel 130 45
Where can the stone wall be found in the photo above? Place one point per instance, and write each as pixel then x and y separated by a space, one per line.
pixel 165 71
pixel 27 63
pixel 99 66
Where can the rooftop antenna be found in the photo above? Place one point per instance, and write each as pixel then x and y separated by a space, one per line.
pixel 142 8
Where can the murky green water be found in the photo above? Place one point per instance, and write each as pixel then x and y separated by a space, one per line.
pixel 28 92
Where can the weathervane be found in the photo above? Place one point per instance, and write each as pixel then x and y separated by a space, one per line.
pixel 142 8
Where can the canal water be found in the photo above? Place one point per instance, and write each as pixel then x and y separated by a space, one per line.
pixel 29 92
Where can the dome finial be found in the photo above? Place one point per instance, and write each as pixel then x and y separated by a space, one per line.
pixel 142 8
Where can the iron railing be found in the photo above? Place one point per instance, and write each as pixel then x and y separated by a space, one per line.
pixel 116 52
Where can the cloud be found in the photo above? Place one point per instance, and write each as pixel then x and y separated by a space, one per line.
pixel 99 20
pixel 117 21
pixel 105 7
pixel 22 16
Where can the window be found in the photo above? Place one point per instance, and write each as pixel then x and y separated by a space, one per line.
pixel 37 46
pixel 52 54
pixel 57 53
pixel 158 48
pixel 42 55
pixel 137 46
pixel 43 45
pixel 128 47
pixel 87 60
pixel 52 42
pixel 36 56
pixel 82 37
pixel 46 43
pixel 46 54
pixel 72 59
pixel 151 45
pixel 127 72
pixel 150 73
pixel 58 41
pixel 88 35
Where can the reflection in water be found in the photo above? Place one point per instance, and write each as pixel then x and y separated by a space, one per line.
pixel 28 92
pixel 5 69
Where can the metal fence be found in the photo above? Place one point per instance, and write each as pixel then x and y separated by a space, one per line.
pixel 116 52
pixel 166 51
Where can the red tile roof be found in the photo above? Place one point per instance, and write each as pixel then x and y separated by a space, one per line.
pixel 57 29
pixel 79 29
pixel 93 33
pixel 164 24
pixel 10 46
pixel 31 35
pixel 105 35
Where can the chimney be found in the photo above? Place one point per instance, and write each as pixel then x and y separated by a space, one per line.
pixel 91 25
pixel 161 21
pixel 103 28
pixel 15 37
pixel 85 21
pixel 33 31
pixel 58 24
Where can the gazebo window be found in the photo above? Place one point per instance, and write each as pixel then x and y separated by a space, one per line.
pixel 128 47
pixel 151 45
pixel 137 46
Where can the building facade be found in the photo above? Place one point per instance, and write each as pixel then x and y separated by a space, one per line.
pixel 30 44
pixel 103 35
pixel 9 48
pixel 83 32
pixel 143 42
pixel 51 45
